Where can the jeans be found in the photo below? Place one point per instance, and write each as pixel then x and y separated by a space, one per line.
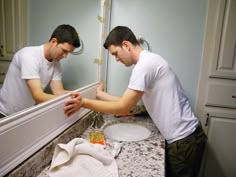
pixel 184 156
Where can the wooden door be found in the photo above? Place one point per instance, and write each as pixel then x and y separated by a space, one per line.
pixel 13 31
pixel 216 105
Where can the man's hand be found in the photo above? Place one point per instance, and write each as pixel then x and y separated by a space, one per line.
pixel 100 90
pixel 73 105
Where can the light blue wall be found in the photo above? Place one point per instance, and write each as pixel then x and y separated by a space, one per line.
pixel 173 28
pixel 46 15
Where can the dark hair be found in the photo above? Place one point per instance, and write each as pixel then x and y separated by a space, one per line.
pixel 66 33
pixel 118 35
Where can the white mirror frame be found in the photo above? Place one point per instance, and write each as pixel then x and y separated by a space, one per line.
pixel 24 133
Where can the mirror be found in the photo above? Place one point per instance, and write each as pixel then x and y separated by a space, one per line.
pixel 44 16
pixel 47 120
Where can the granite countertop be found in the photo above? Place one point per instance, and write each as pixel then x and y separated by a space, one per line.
pixel 139 158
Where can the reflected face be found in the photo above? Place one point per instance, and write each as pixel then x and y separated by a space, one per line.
pixel 122 54
pixel 59 50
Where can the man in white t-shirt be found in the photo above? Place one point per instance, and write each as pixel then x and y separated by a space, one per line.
pixel 33 68
pixel 155 82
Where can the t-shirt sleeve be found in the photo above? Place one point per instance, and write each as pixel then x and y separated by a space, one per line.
pixel 142 77
pixel 29 67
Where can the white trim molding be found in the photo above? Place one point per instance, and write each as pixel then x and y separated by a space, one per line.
pixel 24 133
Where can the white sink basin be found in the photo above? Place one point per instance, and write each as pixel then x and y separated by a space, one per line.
pixel 126 132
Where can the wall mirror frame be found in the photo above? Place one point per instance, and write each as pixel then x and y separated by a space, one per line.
pixel 24 133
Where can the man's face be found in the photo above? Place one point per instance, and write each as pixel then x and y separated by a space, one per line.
pixel 60 50
pixel 121 53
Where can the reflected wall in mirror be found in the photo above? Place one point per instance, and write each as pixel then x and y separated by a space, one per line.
pixel 44 16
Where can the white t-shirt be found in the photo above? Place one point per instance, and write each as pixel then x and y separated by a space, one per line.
pixel 163 97
pixel 27 63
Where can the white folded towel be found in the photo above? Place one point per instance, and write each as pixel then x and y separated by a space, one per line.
pixel 79 158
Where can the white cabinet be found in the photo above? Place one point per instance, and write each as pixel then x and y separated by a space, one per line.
pixel 221 94
pixel 221 154
pixel 216 105
pixel 13 31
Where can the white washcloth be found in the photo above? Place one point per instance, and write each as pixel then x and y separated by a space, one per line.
pixel 79 158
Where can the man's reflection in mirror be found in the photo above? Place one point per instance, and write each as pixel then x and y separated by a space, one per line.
pixel 33 68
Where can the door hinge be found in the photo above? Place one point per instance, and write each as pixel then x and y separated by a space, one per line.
pixel 207 119
pixel 1 52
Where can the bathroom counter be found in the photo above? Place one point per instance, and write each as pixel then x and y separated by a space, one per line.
pixel 139 158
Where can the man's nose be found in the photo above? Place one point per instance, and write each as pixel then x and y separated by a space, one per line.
pixel 117 59
pixel 65 55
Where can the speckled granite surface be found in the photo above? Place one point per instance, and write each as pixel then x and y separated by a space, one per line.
pixel 137 159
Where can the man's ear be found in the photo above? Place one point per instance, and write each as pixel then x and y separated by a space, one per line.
pixel 53 40
pixel 126 44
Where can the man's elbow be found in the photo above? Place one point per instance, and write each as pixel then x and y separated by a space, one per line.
pixel 38 100
pixel 40 97
pixel 125 110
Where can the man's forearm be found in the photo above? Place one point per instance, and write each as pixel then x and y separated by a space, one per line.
pixel 111 107
pixel 107 97
pixel 43 97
